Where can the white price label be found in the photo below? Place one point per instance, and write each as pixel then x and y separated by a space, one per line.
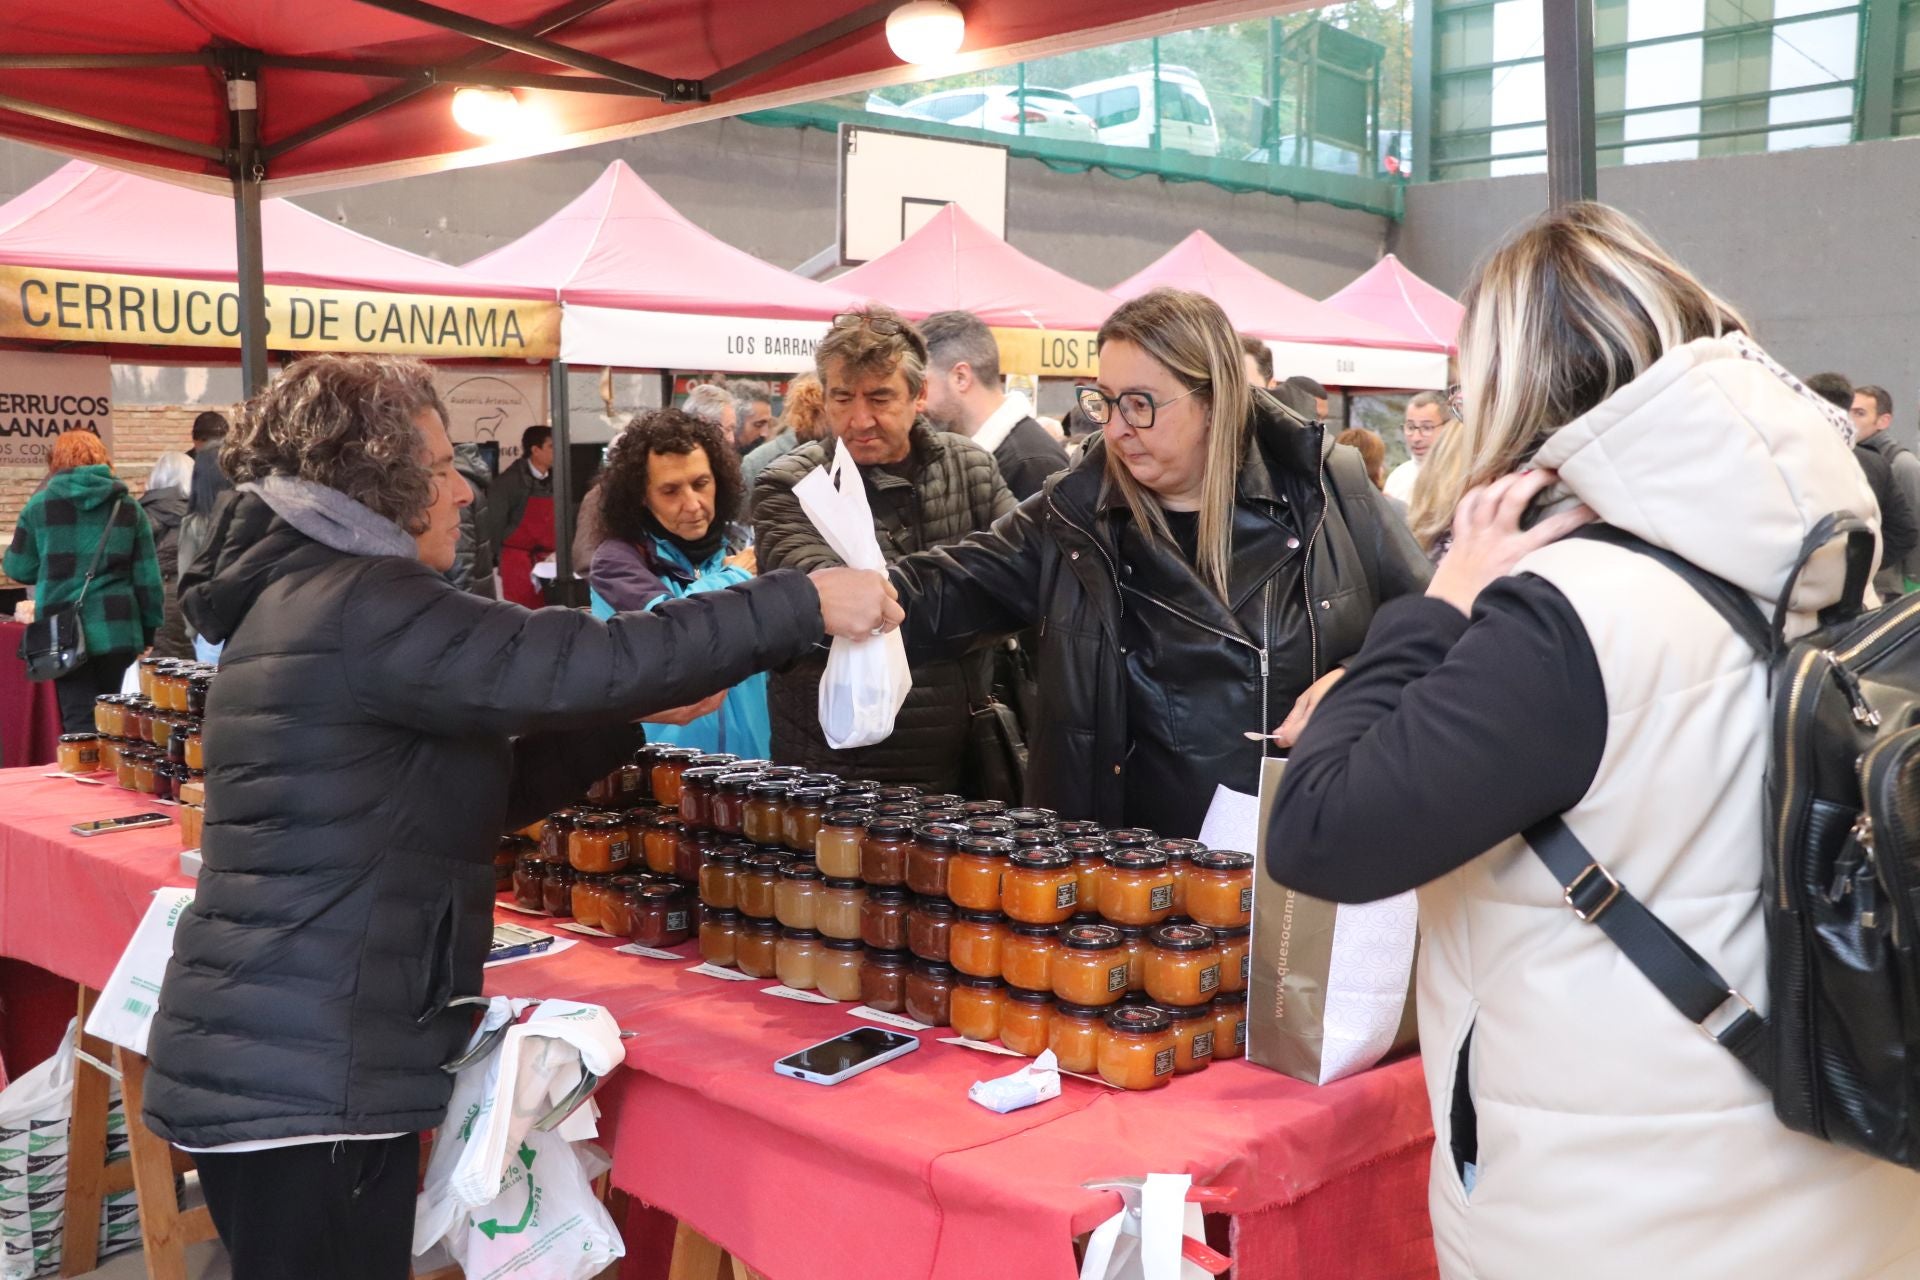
pixel 981 1046
pixel 867 1013
pixel 92 780
pixel 794 993
pixel 585 931
pixel 651 953
pixel 517 909
pixel 715 971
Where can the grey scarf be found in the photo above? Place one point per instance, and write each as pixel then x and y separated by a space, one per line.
pixel 332 519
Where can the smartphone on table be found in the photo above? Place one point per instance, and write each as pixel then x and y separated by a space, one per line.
pixel 844 1057
pixel 133 821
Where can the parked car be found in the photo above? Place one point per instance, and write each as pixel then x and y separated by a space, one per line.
pixel 1122 108
pixel 1038 113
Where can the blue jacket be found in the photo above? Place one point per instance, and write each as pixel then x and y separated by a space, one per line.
pixel 626 578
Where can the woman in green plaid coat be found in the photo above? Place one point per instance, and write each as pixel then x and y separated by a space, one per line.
pixel 52 547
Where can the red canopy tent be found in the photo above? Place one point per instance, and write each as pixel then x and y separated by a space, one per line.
pixel 1390 295
pixel 1307 337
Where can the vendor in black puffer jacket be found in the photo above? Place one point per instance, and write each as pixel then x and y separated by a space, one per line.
pixel 372 731
pixel 1198 575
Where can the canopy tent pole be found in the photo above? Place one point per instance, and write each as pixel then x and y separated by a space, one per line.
pixel 244 164
pixel 567 589
pixel 1567 34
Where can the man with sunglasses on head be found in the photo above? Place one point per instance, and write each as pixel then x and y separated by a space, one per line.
pixel 1428 414
pixel 928 489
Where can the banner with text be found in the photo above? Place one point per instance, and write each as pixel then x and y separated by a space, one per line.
pixel 43 394
pixel 492 404
pixel 41 305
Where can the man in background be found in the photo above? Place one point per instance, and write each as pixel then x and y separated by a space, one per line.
pixel 1899 532
pixel 1258 357
pixel 209 482
pixel 964 397
pixel 1872 415
pixel 520 516
pixel 714 404
pixel 1427 416
pixel 753 415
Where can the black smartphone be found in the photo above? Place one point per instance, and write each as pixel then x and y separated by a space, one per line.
pixel 101 826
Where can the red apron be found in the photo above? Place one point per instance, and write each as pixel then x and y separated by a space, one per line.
pixel 531 541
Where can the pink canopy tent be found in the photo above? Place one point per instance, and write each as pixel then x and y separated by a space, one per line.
pixel 1307 337
pixel 646 288
pixel 1388 294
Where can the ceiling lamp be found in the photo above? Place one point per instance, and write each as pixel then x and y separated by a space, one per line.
pixel 490 113
pixel 926 32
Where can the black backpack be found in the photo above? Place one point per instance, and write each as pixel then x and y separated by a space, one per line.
pixel 1842 877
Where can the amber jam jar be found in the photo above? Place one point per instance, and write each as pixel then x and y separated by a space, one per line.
pixel 1074 1035
pixel 838 913
pixel 690 854
pixel 1027 818
pixel 1026 1022
pixel 1039 887
pixel 836 969
pixel 727 811
pixel 976 943
pixel 1130 837
pixel 883 919
pixel 1137 1048
pixel 1089 867
pixel 586 893
pixel 1229 1025
pixel 927 858
pixel 806 809
pixel 1091 967
pixel 765 821
pixel 720 937
pixel 108 715
pixel 883 980
pixel 553 837
pixel 1080 829
pixel 149 675
pixel 79 752
pixel 883 854
pixel 198 687
pixel 1027 955
pixel 1180 854
pixel 754 954
pixel 897 794
pixel 643 759
pixel 557 888
pixel 529 878
pixel 1236 959
pixel 669 763
pixel 836 846
pixel 930 929
pixel 1192 1037
pixel 196 750
pixel 796 899
pixel 1220 889
pixel 126 768
pixel 145 780
pixel 697 787
pixel 598 844
pixel 1138 945
pixel 660 842
pixel 759 885
pixel 720 880
pixel 795 957
pixel 1184 966
pixel 1137 887
pixel 616 905
pixel 976 1008
pixel 930 993
pixel 975 872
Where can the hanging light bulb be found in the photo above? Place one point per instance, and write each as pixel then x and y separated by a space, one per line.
pixel 924 32
pixel 489 113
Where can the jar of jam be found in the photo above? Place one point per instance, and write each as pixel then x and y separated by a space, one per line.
pixel 796 899
pixel 1131 837
pixel 883 919
pixel 1026 1022
pixel 1039 887
pixel 754 955
pixel 110 755
pixel 930 993
pixel 170 687
pixel 697 786
pixel 1236 958
pixel 883 980
pixel 1091 967
pixel 975 871
pixel 930 929
pixel 198 686
pixel 1138 945
pixel 589 896
pixel 669 763
pixel 1089 868
pixel 976 1007
pixel 1027 956
pixel 898 794
pixel 836 969
pixel 1079 829
pixel 597 845
pixel 1074 1035
pixel 758 885
pixel 1183 968
pixel 1192 1037
pixel 1229 1025
pixel 806 809
pixel 1029 817
pixel 1137 1048
pixel 907 811
pixel 145 780
pixel 720 880
pixel 836 846
pixel 976 943
pixel 106 715
pixel 196 753
pixel 1220 889
pixel 643 760
pixel 1137 888
pixel 727 807
pixel 616 905
pixel 163 730
pixel 177 745
pixel 883 854
pixel 765 822
pixel 927 858
pixel 1179 854
pixel 690 853
pixel 794 958
pixel 662 914
pixel 720 936
pixel 79 753
pixel 126 769
pixel 557 888
pixel 838 914
pixel 554 832
pixel 149 670
pixel 529 875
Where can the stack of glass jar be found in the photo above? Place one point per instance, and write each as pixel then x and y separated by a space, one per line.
pixel 151 741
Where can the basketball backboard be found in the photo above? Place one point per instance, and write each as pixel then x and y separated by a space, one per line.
pixel 892 182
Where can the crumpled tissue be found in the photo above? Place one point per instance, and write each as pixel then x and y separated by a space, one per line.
pixel 1035 1082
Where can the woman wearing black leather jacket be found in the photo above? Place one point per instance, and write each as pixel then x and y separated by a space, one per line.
pixel 1188 583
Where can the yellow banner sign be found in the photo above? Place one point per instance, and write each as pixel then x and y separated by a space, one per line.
pixel 1047 353
pixel 80 306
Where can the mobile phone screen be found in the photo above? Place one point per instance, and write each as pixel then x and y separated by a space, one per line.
pixel 847 1051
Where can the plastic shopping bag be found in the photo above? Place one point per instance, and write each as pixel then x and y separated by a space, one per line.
pixel 34 1114
pixel 1143 1241
pixel 866 679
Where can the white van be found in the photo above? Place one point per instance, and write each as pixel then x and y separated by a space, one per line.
pixel 1122 108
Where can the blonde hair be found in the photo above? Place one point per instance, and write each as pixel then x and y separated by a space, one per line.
pixel 1571 308
pixel 1192 337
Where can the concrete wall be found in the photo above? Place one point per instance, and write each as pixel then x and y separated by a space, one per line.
pixel 1816 247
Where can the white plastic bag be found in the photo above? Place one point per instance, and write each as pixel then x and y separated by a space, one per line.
pixel 34 1114
pixel 867 679
pixel 1143 1240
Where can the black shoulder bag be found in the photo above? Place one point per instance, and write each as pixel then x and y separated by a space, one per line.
pixel 55 645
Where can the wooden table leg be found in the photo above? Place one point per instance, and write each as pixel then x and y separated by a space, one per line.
pixel 165 1232
pixel 694 1256
pixel 87 1168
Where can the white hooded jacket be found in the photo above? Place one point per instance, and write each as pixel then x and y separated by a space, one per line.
pixel 1614 1140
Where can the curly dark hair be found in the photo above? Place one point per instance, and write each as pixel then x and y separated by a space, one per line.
pixel 345 422
pixel 623 509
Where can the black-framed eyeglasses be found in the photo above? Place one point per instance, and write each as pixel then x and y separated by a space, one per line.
pixel 1137 408
pixel 885 326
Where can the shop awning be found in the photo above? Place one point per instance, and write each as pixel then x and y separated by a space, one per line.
pixel 92 255
pixel 1308 338
pixel 1045 321
pixel 1388 294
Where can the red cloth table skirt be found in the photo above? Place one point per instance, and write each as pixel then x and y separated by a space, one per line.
pixel 894 1175
pixel 29 716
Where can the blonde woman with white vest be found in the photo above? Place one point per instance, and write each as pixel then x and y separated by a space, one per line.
pixel 1582 1127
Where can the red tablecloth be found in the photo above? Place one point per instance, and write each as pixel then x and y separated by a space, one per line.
pixel 892 1176
pixel 29 716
